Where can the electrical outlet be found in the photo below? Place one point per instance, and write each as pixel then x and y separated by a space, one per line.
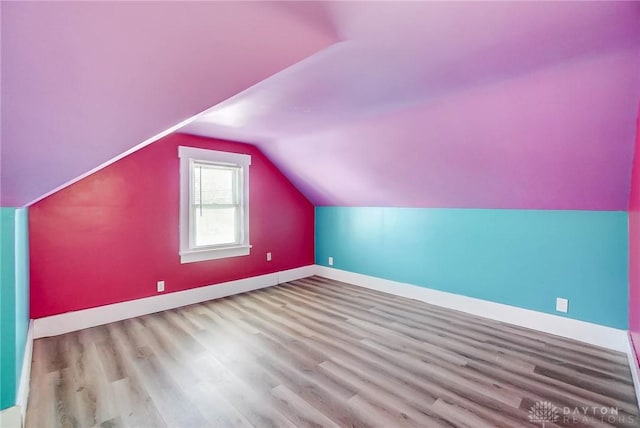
pixel 562 305
pixel 330 261
pixel 160 286
pixel 268 257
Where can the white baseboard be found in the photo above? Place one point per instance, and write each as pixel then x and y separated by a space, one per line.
pixel 25 375
pixel 633 365
pixel 293 274
pixel 78 320
pixel 594 334
pixel 11 418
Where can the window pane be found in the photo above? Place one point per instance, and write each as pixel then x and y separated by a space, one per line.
pixel 215 226
pixel 214 184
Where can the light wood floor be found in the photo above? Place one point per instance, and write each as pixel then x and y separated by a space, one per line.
pixel 317 353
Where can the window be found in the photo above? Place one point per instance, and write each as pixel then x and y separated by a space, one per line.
pixel 214 204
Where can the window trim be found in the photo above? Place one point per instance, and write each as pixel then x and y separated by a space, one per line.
pixel 189 254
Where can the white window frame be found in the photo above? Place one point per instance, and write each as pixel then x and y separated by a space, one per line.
pixel 189 252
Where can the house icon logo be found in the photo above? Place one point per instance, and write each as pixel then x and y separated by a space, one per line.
pixel 543 412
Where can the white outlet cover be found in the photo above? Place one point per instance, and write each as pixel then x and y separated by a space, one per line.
pixel 268 257
pixel 160 286
pixel 562 305
pixel 330 261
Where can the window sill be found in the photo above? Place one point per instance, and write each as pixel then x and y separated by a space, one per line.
pixel 214 253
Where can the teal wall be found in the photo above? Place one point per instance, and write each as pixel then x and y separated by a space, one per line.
pixel 7 309
pixel 523 258
pixel 14 299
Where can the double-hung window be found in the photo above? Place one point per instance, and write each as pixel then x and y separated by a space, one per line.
pixel 214 204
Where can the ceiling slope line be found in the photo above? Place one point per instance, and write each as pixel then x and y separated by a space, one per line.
pixel 122 155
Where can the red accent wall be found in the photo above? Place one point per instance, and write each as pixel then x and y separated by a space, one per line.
pixel 109 237
pixel 634 247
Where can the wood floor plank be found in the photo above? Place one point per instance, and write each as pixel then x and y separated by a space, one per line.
pixel 301 413
pixel 321 353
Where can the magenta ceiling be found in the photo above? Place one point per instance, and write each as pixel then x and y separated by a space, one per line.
pixel 83 82
pixel 426 104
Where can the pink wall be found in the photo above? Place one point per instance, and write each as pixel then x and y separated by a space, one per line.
pixel 109 237
pixel 634 246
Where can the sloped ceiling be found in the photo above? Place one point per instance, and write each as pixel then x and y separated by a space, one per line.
pixel 429 104
pixel 455 104
pixel 83 82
